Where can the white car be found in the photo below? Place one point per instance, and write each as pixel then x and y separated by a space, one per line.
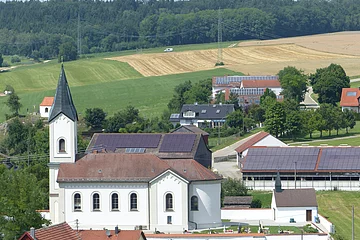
pixel 168 50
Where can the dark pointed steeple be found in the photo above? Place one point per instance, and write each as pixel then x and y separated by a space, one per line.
pixel 63 102
pixel 278 183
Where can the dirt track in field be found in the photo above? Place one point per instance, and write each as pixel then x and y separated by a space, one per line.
pixel 259 57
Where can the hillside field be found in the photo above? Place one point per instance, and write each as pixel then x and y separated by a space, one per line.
pixel 149 94
pixel 258 57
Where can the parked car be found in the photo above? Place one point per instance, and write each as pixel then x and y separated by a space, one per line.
pixel 168 50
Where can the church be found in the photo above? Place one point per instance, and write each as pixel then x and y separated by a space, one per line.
pixel 128 189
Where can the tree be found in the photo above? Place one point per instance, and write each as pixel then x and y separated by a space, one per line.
pixel 178 99
pixel 233 187
pixel 67 51
pixel 338 118
pixel 94 117
pixel 200 92
pixel 130 115
pixel 21 196
pixel 235 119
pixel 267 94
pixel 255 203
pixel 275 118
pixel 349 119
pixel 257 113
pixel 311 120
pixel 220 97
pixel 234 99
pixel 14 104
pixel 293 83
pixel 327 111
pixel 328 83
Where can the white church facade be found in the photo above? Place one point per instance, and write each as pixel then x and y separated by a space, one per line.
pixel 128 190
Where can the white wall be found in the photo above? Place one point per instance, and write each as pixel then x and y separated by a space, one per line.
pixel 63 127
pixel 169 183
pixel 277 91
pixel 355 109
pixel 283 214
pixel 240 237
pixel 43 113
pixel 208 194
pixel 247 214
pixel 105 218
pixel 327 224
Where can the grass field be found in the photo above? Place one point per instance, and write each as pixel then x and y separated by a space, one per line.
pixel 149 94
pixel 333 205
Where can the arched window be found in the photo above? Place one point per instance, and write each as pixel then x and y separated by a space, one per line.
pixel 46 110
pixel 96 202
pixel 62 145
pixel 133 202
pixel 114 202
pixel 194 203
pixel 169 202
pixel 77 202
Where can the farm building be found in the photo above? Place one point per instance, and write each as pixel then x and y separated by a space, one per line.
pixel 45 106
pixel 202 115
pixel 249 89
pixel 350 99
pixel 262 139
pixel 322 168
pixel 293 205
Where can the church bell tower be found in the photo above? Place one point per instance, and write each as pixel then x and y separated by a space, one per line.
pixel 62 142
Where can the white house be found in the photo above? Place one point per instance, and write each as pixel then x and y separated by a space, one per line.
pixel 350 99
pixel 45 106
pixel 128 190
pixel 293 205
pixel 261 139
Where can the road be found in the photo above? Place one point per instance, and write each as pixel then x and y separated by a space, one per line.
pixel 228 168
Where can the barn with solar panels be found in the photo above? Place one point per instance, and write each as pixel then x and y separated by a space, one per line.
pixel 322 168
pixel 133 181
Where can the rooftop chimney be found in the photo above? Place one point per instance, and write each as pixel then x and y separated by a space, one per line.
pixel 32 233
pixel 117 230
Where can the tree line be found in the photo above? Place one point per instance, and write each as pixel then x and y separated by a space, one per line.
pixel 49 29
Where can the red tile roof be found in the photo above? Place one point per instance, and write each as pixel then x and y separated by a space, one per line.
pixel 101 235
pixel 60 231
pixel 47 101
pixel 350 101
pixel 260 83
pixel 256 138
pixel 126 167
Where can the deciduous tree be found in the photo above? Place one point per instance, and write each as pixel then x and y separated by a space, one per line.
pixel 14 104
pixel 275 118
pixel 94 117
pixel 293 82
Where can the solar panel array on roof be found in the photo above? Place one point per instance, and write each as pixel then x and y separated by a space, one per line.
pixel 281 159
pixel 113 141
pixel 340 159
pixel 247 91
pixel 227 79
pixel 177 143
pixel 175 115
pixel 134 150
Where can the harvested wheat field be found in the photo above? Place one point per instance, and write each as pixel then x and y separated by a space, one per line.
pixel 258 57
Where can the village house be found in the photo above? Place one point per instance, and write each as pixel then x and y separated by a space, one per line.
pixel 202 115
pixel 193 129
pixel 350 99
pixel 45 106
pixel 118 182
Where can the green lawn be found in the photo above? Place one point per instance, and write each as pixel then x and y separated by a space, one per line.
pixel 149 94
pixel 355 84
pixel 333 205
pixel 334 142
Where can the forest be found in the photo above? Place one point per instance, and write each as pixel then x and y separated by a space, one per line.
pixel 48 29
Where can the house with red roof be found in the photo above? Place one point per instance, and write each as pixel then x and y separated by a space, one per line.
pixel 61 231
pixel 350 99
pixel 45 106
pixel 130 181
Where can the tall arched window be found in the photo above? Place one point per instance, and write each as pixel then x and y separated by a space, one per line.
pixel 133 202
pixel 77 202
pixel 46 110
pixel 169 202
pixel 62 145
pixel 194 203
pixel 96 202
pixel 114 202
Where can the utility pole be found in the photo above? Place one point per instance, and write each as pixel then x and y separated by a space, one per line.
pixel 353 229
pixel 219 57
pixel 79 35
pixel 295 175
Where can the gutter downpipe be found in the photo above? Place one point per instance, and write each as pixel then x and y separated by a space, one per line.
pixel 149 212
